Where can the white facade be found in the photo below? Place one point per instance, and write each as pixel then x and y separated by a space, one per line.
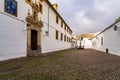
pixel 12 35
pixel 49 43
pixel 74 43
pixel 13 31
pixel 108 39
pixel 87 43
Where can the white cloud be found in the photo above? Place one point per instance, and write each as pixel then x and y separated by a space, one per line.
pixel 88 16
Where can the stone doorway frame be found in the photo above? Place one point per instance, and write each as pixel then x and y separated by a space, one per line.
pixel 33 23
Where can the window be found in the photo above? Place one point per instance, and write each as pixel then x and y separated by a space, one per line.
pixel 57 21
pixel 29 1
pixel 56 35
pixel 67 39
pixel 65 28
pixel 71 32
pixel 11 7
pixel 61 36
pixel 64 37
pixel 40 8
pixel 61 24
pixel 101 40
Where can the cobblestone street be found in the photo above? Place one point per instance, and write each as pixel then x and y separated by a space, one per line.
pixel 63 65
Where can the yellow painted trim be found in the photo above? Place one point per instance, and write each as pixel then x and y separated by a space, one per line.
pixel 29 2
pixel 40 10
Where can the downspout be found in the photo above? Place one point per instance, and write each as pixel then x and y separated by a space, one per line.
pixel 48 21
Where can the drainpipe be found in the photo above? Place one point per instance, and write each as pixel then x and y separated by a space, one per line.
pixel 48 20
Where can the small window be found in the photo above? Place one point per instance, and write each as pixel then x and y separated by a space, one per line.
pixel 61 24
pixel 11 7
pixel 101 40
pixel 40 8
pixel 61 36
pixel 64 37
pixel 56 35
pixel 57 21
pixel 65 28
pixel 67 39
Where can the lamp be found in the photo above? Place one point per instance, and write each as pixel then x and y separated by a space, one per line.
pixel 28 26
pixel 115 28
pixel 46 32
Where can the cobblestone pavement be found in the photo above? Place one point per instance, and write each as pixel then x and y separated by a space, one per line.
pixel 64 65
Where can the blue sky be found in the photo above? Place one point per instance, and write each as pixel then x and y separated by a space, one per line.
pixel 88 16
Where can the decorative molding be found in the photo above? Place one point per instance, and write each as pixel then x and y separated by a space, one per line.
pixel 29 2
pixel 42 0
pixel 31 20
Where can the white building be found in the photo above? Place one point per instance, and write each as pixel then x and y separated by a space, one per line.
pixel 76 41
pixel 85 40
pixel 109 39
pixel 31 28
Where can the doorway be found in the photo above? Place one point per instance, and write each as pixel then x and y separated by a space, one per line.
pixel 34 39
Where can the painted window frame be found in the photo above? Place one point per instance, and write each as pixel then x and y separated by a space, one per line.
pixel 41 8
pixel 8 11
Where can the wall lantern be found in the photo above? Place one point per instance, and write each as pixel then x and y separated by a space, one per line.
pixel 116 28
pixel 46 32
pixel 28 26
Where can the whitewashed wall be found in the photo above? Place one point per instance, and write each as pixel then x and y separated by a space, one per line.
pixel 111 40
pixel 12 32
pixel 49 43
pixel 87 43
pixel 13 37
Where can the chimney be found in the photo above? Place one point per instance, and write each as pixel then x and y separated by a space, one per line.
pixel 55 6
